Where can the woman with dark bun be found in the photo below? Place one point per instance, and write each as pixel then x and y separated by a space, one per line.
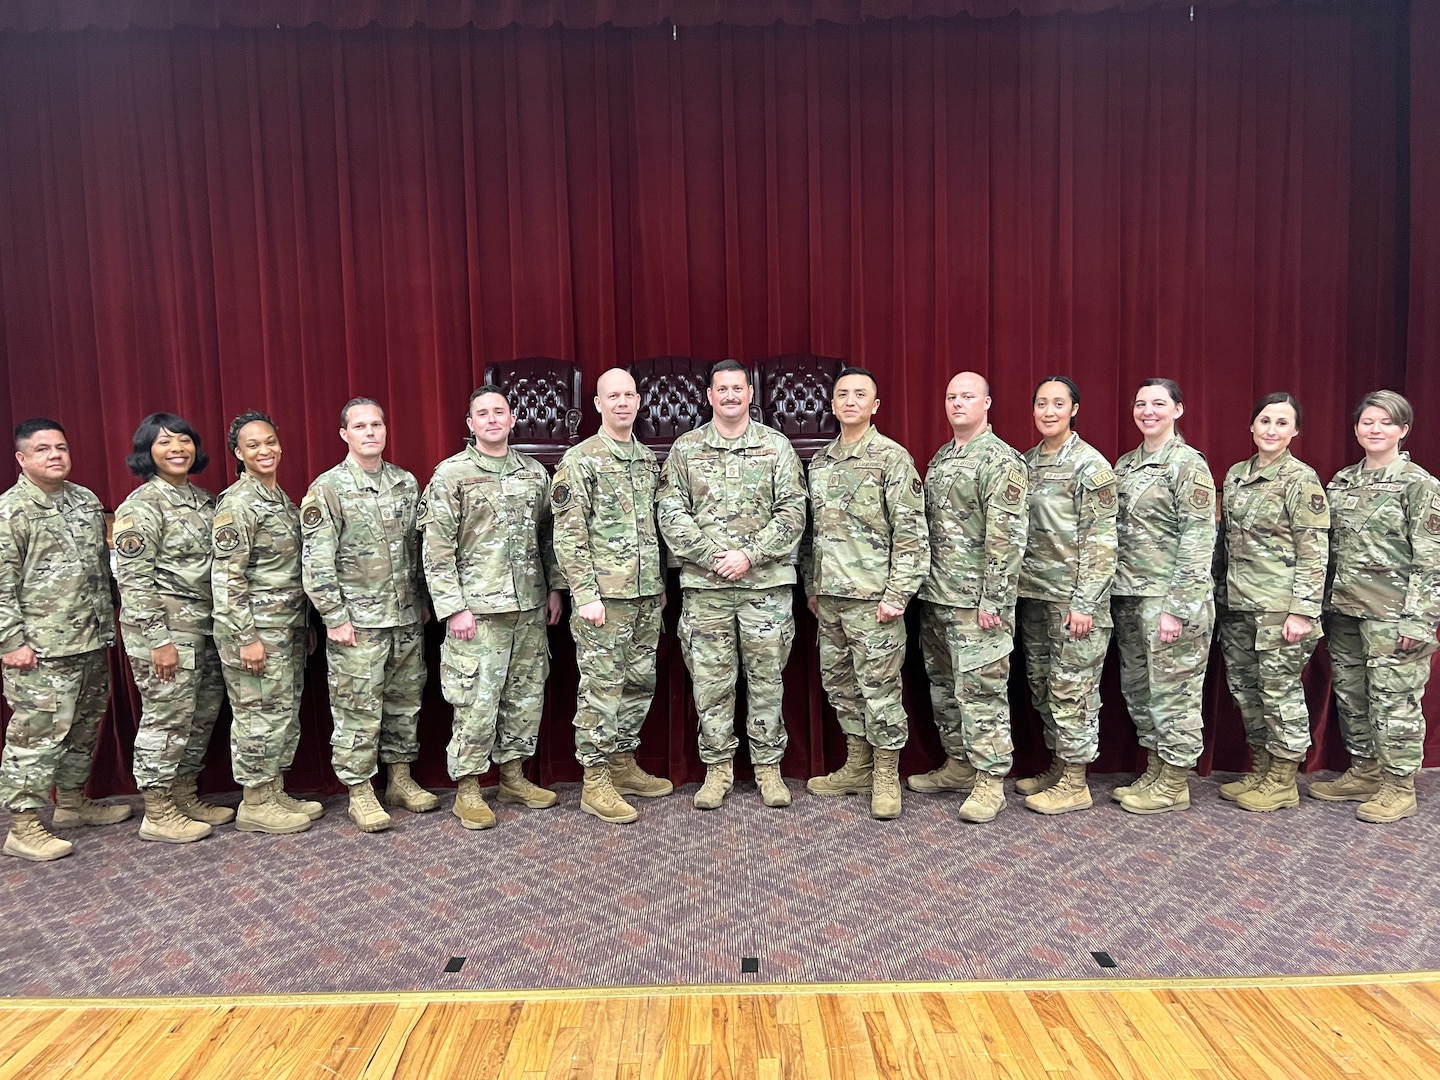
pixel 162 565
pixel 1064 609
pixel 1382 611
pixel 261 626
pixel 1270 580
pixel 1163 602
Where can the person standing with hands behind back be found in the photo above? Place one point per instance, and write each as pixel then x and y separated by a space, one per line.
pixel 261 628
pixel 871 552
pixel 608 548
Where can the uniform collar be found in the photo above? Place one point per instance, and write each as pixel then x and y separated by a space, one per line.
pixel 840 450
pixel 626 451
pixel 501 465
pixel 38 495
pixel 1163 455
pixel 978 440
pixel 1063 454
pixel 1254 475
pixel 189 495
pixel 275 494
pixel 712 436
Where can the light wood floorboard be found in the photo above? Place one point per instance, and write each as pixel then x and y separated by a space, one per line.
pixel 1275 1029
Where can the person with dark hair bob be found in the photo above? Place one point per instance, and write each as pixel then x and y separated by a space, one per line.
pixel 1163 598
pixel 162 566
pixel 261 628
pixel 1270 581
pixel 1382 611
pixel 1064 608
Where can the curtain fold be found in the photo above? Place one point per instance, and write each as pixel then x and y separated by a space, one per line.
pixel 206 221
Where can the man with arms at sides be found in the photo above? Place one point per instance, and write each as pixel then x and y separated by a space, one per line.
pixel 486 522
pixel 57 618
pixel 361 569
pixel 609 552
pixel 871 552
pixel 975 489
pixel 732 507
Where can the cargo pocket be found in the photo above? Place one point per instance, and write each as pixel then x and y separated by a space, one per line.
pixel 350 675
pixel 459 677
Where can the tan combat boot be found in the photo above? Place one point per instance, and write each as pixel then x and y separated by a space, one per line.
pixel 986 799
pixel 1260 760
pixel 365 809
pixel 28 839
pixel 1143 781
pixel 954 775
pixel 1170 791
pixel 852 778
pixel 164 822
pixel 470 806
pixel 1395 800
pixel 773 791
pixel 1356 784
pixel 283 799
pixel 719 779
pixel 628 778
pixel 259 812
pixel 515 788
pixel 1069 792
pixel 1276 791
pixel 1044 782
pixel 73 809
pixel 885 785
pixel 600 798
pixel 184 792
pixel 404 792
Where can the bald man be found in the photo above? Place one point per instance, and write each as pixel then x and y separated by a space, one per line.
pixel 975 504
pixel 608 549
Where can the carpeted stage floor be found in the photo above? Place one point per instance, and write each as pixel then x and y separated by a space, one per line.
pixel 818 892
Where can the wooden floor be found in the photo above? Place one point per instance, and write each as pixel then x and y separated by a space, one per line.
pixel 1384 1026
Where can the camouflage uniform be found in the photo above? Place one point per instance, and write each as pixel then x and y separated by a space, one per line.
pixel 1275 526
pixel 361 565
pixel 1385 585
pixel 975 511
pixel 1166 529
pixel 1069 566
pixel 162 565
pixel 871 544
pixel 608 549
pixel 486 525
pixel 54 597
pixel 259 597
pixel 742 494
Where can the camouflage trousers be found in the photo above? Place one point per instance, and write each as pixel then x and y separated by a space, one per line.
pixel 375 687
pixel 496 684
pixel 265 729
pixel 1378 690
pixel 969 673
pixel 617 677
pixel 860 662
pixel 1163 684
pixel 56 708
pixel 1064 677
pixel 1263 673
pixel 719 629
pixel 176 717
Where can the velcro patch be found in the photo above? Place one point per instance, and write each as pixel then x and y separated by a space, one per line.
pixel 1317 503
pixel 560 495
pixel 227 537
pixel 311 516
pixel 223 518
pixel 130 543
pixel 916 488
pixel 126 522
pixel 1100 478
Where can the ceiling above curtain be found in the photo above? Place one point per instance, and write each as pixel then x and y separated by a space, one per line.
pixel 34 15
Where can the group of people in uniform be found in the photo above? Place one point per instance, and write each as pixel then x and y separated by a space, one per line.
pixel 1057 544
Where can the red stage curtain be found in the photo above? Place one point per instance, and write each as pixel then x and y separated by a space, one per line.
pixel 532 14
pixel 206 221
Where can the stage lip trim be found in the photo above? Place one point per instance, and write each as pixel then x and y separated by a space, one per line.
pixel 972 986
